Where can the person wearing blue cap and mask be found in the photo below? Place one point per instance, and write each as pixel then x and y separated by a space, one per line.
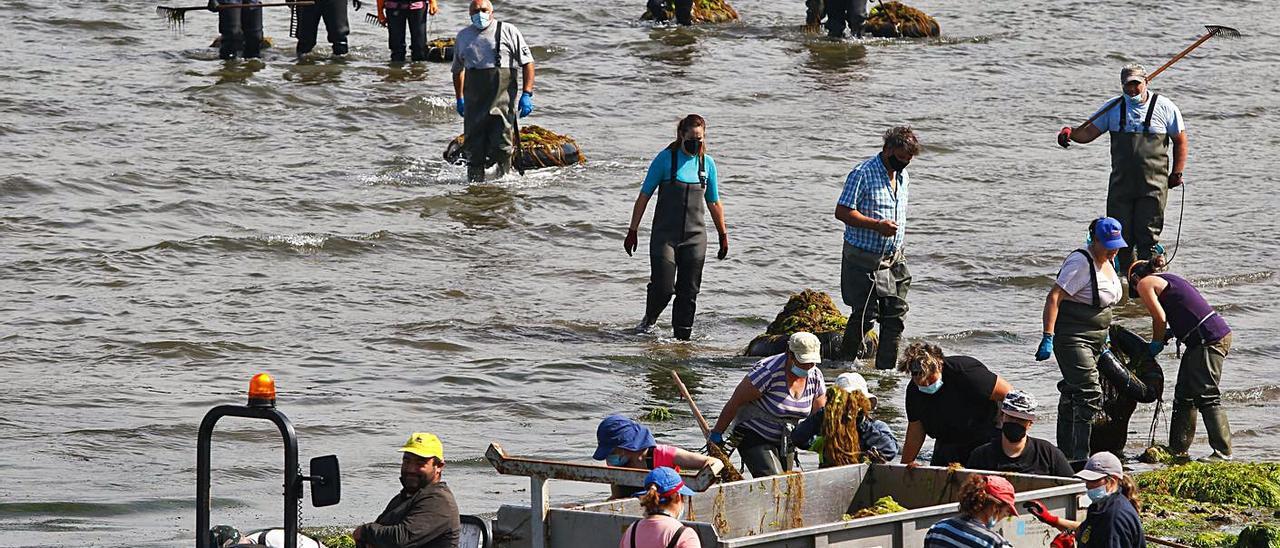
pixel 623 442
pixel 663 502
pixel 952 399
pixel 1112 519
pixel 486 57
pixel 1077 314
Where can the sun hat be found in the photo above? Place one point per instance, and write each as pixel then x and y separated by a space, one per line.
pixel 1019 404
pixel 618 431
pixel 854 382
pixel 1002 490
pixel 805 347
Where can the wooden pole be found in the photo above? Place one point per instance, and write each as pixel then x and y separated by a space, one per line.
pixel 730 473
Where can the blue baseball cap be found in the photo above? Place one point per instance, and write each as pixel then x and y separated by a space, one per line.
pixel 1107 232
pixel 667 481
pixel 618 431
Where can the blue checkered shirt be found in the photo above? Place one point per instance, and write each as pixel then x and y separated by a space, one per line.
pixel 868 191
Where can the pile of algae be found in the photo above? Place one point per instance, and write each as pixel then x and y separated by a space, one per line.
pixel 331 537
pixel 704 11
pixel 897 20
pixel 1213 505
pixel 885 505
pixel 808 310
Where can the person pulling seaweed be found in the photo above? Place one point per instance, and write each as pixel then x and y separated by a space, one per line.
pixel 664 506
pixel 1016 451
pixel 952 399
pixel 685 178
pixel 984 500
pixel 1172 300
pixel 777 393
pixel 843 431
pixel 623 442
pixel 398 14
pixel 486 57
pixel 1112 520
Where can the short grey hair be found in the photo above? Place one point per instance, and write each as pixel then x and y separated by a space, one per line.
pixel 902 137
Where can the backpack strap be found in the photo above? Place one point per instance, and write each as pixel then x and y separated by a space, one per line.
pixel 497 46
pixel 1151 109
pixel 1093 275
pixel 633 533
pixel 675 539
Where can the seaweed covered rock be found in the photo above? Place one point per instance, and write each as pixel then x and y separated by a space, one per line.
pixel 898 20
pixel 1259 536
pixel 811 311
pixel 440 50
pixel 1196 503
pixel 539 148
pixel 704 11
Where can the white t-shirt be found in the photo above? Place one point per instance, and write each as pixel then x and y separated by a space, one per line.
pixel 1166 119
pixel 1075 280
pixel 474 48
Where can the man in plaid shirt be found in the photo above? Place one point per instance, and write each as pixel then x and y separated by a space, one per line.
pixel 873 272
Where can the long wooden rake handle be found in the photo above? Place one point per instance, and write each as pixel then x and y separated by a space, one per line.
pixel 221 7
pixel 730 472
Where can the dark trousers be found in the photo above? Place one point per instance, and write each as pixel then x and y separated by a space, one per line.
pixel 241 29
pixel 675 269
pixel 416 21
pixel 886 305
pixel 684 11
pixel 842 12
pixel 1141 221
pixel 763 458
pixel 334 13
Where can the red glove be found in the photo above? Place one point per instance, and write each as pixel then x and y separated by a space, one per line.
pixel 630 243
pixel 1175 179
pixel 1064 137
pixel 1037 509
pixel 1063 540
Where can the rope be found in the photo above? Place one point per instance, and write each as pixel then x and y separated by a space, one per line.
pixel 1182 208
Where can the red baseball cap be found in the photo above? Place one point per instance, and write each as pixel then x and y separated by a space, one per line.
pixel 1002 490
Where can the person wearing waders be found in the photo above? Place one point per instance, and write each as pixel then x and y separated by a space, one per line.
pixel 842 12
pixel 1173 300
pixel 241 29
pixel 685 177
pixel 684 11
pixel 1077 315
pixel 398 14
pixel 874 279
pixel 1142 125
pixel 486 57
pixel 334 13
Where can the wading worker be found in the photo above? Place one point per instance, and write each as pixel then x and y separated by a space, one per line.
pixel 663 502
pixel 486 57
pixel 423 514
pixel 952 399
pixel 1142 126
pixel 685 178
pixel 1173 300
pixel 777 393
pixel 1016 451
pixel 334 13
pixel 626 443
pixel 875 440
pixel 241 28
pixel 1077 314
pixel 873 271
pixel 1112 520
pixel 842 12
pixel 984 500
pixel 683 9
pixel 398 14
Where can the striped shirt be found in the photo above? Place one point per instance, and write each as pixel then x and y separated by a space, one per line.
pixel 963 532
pixel 769 376
pixel 868 191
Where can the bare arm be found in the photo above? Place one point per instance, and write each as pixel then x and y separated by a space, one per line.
pixel 688 460
pixel 717 215
pixel 637 211
pixel 528 77
pixel 1051 307
pixel 1086 133
pixel 458 78
pixel 818 403
pixel 1147 292
pixel 1179 152
pixel 1001 390
pixel 744 393
pixel 853 218
pixel 911 445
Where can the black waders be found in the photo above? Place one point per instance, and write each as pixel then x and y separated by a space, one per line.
pixel 334 13
pixel 490 116
pixel 875 286
pixel 684 11
pixel 1139 185
pixel 842 12
pixel 416 20
pixel 241 29
pixel 677 249
pixel 1080 332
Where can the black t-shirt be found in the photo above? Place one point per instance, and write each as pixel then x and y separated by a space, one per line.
pixel 1039 457
pixel 960 411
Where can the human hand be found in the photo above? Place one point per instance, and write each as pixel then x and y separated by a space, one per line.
pixel 1175 179
pixel 1038 509
pixel 716 438
pixel 526 103
pixel 630 243
pixel 886 228
pixel 1064 137
pixel 1063 540
pixel 461 107
pixel 432 8
pixel 724 246
pixel 1156 347
pixel 1046 347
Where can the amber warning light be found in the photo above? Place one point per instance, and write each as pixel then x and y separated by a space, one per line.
pixel 262 391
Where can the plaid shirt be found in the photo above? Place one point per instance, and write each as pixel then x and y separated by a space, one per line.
pixel 868 191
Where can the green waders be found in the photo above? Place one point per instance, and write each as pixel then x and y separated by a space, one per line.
pixel 1197 388
pixel 1139 186
pixel 1080 332
pixel 488 126
pixel 876 287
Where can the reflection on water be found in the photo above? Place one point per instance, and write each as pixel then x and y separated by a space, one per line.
pixel 483 207
pixel 311 71
pixel 834 56
pixel 235 71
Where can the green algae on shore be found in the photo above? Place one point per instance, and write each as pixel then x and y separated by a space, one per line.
pixel 1202 504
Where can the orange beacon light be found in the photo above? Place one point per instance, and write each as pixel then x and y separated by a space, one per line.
pixel 262 391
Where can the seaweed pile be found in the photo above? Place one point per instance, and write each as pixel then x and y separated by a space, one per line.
pixel 440 50
pixel 898 20
pixel 1200 504
pixel 811 311
pixel 885 505
pixel 840 444
pixel 704 11
pixel 539 148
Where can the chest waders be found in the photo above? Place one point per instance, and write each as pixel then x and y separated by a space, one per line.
pixel 489 123
pixel 1208 341
pixel 678 248
pixel 241 29
pixel 334 13
pixel 1080 332
pixel 1139 184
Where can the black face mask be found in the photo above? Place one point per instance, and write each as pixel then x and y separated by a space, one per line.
pixel 895 164
pixel 692 146
pixel 1013 432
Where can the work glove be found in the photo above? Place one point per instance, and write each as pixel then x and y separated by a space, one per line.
pixel 724 246
pixel 1046 347
pixel 526 103
pixel 1064 137
pixel 630 243
pixel 1156 347
pixel 1063 540
pixel 1038 509
pixel 716 438
pixel 1175 179
pixel 461 107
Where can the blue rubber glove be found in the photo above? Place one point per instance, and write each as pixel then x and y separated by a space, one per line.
pixel 1156 348
pixel 1046 347
pixel 461 108
pixel 526 103
pixel 716 438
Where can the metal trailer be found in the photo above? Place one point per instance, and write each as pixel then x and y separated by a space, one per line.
pixel 808 509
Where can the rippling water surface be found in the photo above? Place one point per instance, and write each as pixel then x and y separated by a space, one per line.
pixel 172 224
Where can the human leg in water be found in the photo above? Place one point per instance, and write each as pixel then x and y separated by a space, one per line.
pixel 1182 428
pixel 229 28
pixel 251 25
pixel 1148 223
pixel 690 257
pixel 684 12
pixel 658 9
pixel 397 19
pixel 1122 208
pixel 662 279
pixel 1199 375
pixel 308 26
pixel 502 145
pixel 856 16
pixel 335 24
pixel 814 11
pixel 892 313
pixel 837 17
pixel 857 288
pixel 418 34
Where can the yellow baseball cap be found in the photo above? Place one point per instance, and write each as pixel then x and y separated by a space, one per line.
pixel 423 444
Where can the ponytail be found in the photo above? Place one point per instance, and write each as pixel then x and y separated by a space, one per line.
pixel 1129 489
pixel 651 500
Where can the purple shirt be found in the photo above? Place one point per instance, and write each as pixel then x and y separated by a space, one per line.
pixel 1186 309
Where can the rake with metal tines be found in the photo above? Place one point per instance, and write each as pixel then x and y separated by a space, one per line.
pixel 176 17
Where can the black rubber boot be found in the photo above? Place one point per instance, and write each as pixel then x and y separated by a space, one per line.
pixel 340 48
pixel 1080 432
pixel 682 333
pixel 1218 430
pixel 1182 430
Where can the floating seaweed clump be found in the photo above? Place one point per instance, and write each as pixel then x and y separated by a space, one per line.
pixel 898 20
pixel 885 505
pixel 657 414
pixel 811 311
pixel 539 148
pixel 704 11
